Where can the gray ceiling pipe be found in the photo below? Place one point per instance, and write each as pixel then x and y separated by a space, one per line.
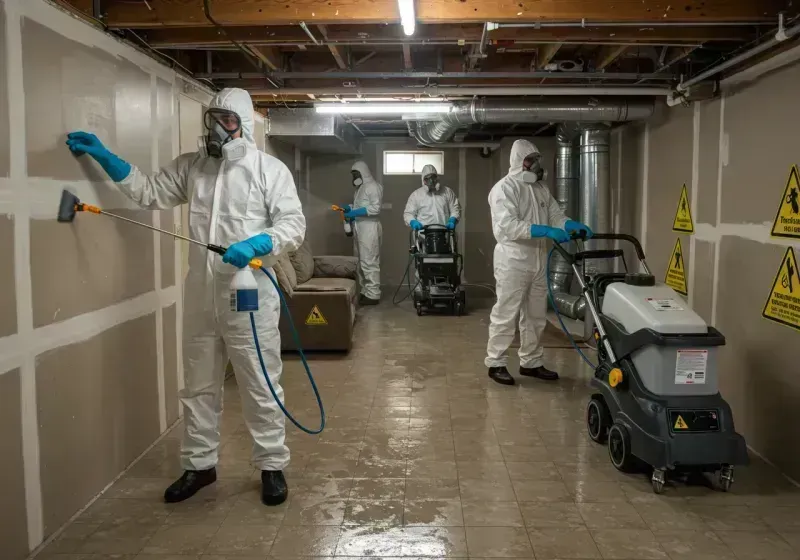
pixel 523 110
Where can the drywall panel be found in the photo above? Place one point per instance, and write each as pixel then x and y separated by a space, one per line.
pixel 479 240
pixel 89 264
pixel 761 127
pixel 708 162
pixel 169 319
pixel 4 147
pixel 259 133
pixel 191 123
pixel 166 109
pixel 703 288
pixel 758 367
pixel 330 183
pixel 167 250
pixel 631 164
pixel 97 410
pixel 670 167
pixel 8 292
pixel 69 86
pixel 13 520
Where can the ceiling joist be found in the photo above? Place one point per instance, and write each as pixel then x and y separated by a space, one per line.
pixel 546 53
pixel 270 56
pixel 608 55
pixel 266 12
pixel 337 56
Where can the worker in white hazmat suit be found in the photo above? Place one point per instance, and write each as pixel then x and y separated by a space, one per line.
pixel 364 214
pixel 432 203
pixel 245 200
pixel 524 215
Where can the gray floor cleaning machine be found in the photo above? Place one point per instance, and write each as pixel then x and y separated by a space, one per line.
pixel 438 265
pixel 656 397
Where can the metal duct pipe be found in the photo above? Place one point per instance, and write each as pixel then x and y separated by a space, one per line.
pixel 566 194
pixel 570 306
pixel 504 111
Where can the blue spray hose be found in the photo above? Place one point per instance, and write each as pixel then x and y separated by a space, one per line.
pixel 302 357
pixel 558 315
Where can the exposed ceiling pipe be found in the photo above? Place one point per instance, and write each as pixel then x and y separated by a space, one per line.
pixel 425 42
pixel 305 28
pixel 461 91
pixel 781 35
pixel 642 24
pixel 413 126
pixel 506 111
pixel 357 75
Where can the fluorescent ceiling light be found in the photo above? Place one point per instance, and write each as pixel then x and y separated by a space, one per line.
pixel 378 100
pixel 407 16
pixel 383 108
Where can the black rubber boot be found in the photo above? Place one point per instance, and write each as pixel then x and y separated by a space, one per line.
pixel 501 375
pixel 274 489
pixel 189 484
pixel 540 372
pixel 364 300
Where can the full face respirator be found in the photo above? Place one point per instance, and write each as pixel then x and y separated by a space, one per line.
pixel 532 168
pixel 222 125
pixel 357 179
pixel 432 182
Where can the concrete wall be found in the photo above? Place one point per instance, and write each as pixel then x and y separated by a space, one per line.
pixel 89 363
pixel 734 155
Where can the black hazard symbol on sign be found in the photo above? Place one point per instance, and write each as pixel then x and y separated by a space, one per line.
pixel 315 317
pixel 787 218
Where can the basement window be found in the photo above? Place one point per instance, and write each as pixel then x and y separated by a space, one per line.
pixel 411 163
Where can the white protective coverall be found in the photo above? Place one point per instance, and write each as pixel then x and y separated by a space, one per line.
pixel 520 262
pixel 431 208
pixel 230 200
pixel 368 232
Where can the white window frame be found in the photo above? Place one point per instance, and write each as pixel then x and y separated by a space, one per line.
pixel 439 168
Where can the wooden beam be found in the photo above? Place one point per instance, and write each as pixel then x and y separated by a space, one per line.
pixel 546 53
pixel 407 62
pixel 270 56
pixel 607 55
pixel 337 56
pixel 265 12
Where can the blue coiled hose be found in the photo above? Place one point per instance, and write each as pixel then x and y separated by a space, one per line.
pixel 302 357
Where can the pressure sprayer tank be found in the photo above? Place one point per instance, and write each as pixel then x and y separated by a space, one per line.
pixel 244 291
pixel 670 369
pixel 436 242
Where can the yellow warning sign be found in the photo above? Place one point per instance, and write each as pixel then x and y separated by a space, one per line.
pixel 315 317
pixel 680 424
pixel 683 215
pixel 783 304
pixel 676 271
pixel 787 219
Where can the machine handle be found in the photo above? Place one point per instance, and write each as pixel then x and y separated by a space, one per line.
pixel 623 237
pixel 599 254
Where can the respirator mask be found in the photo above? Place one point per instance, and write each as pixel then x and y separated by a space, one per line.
pixel 222 125
pixel 357 180
pixel 432 182
pixel 532 170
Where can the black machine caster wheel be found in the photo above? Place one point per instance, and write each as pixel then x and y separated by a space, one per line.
pixel 598 419
pixel 619 448
pixel 458 308
pixel 658 480
pixel 725 478
pixel 419 309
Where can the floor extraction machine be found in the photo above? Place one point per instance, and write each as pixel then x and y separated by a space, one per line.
pixel 438 265
pixel 657 398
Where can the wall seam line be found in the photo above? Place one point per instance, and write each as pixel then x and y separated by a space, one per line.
pixel 718 243
pixel 155 137
pixel 693 198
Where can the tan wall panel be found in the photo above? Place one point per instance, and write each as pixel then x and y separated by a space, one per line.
pixel 761 123
pixel 4 147
pixel 165 111
pixel 13 520
pixel 168 319
pixel 8 290
pixel 703 288
pixel 98 410
pixel 670 161
pixel 758 369
pixel 89 264
pixel 191 123
pixel 630 207
pixel 330 183
pixel 479 240
pixel 69 86
pixel 259 133
pixel 708 168
pixel 167 250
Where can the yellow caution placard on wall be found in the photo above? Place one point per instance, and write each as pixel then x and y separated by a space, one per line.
pixel 787 218
pixel 683 215
pixel 315 317
pixel 676 270
pixel 783 303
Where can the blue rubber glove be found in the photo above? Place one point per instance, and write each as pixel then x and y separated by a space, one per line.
pixel 346 207
pixel 415 225
pixel 557 235
pixel 451 223
pixel 86 143
pixel 357 213
pixel 572 226
pixel 240 254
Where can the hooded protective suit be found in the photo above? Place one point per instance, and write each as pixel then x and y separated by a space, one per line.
pixel 431 208
pixel 369 232
pixel 242 194
pixel 520 261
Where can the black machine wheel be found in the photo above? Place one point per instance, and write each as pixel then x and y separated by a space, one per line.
pixel 658 480
pixel 458 308
pixel 619 448
pixel 598 419
pixel 419 309
pixel 725 478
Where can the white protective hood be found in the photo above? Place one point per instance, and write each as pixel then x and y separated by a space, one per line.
pixel 363 168
pixel 519 151
pixel 427 170
pixel 240 102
